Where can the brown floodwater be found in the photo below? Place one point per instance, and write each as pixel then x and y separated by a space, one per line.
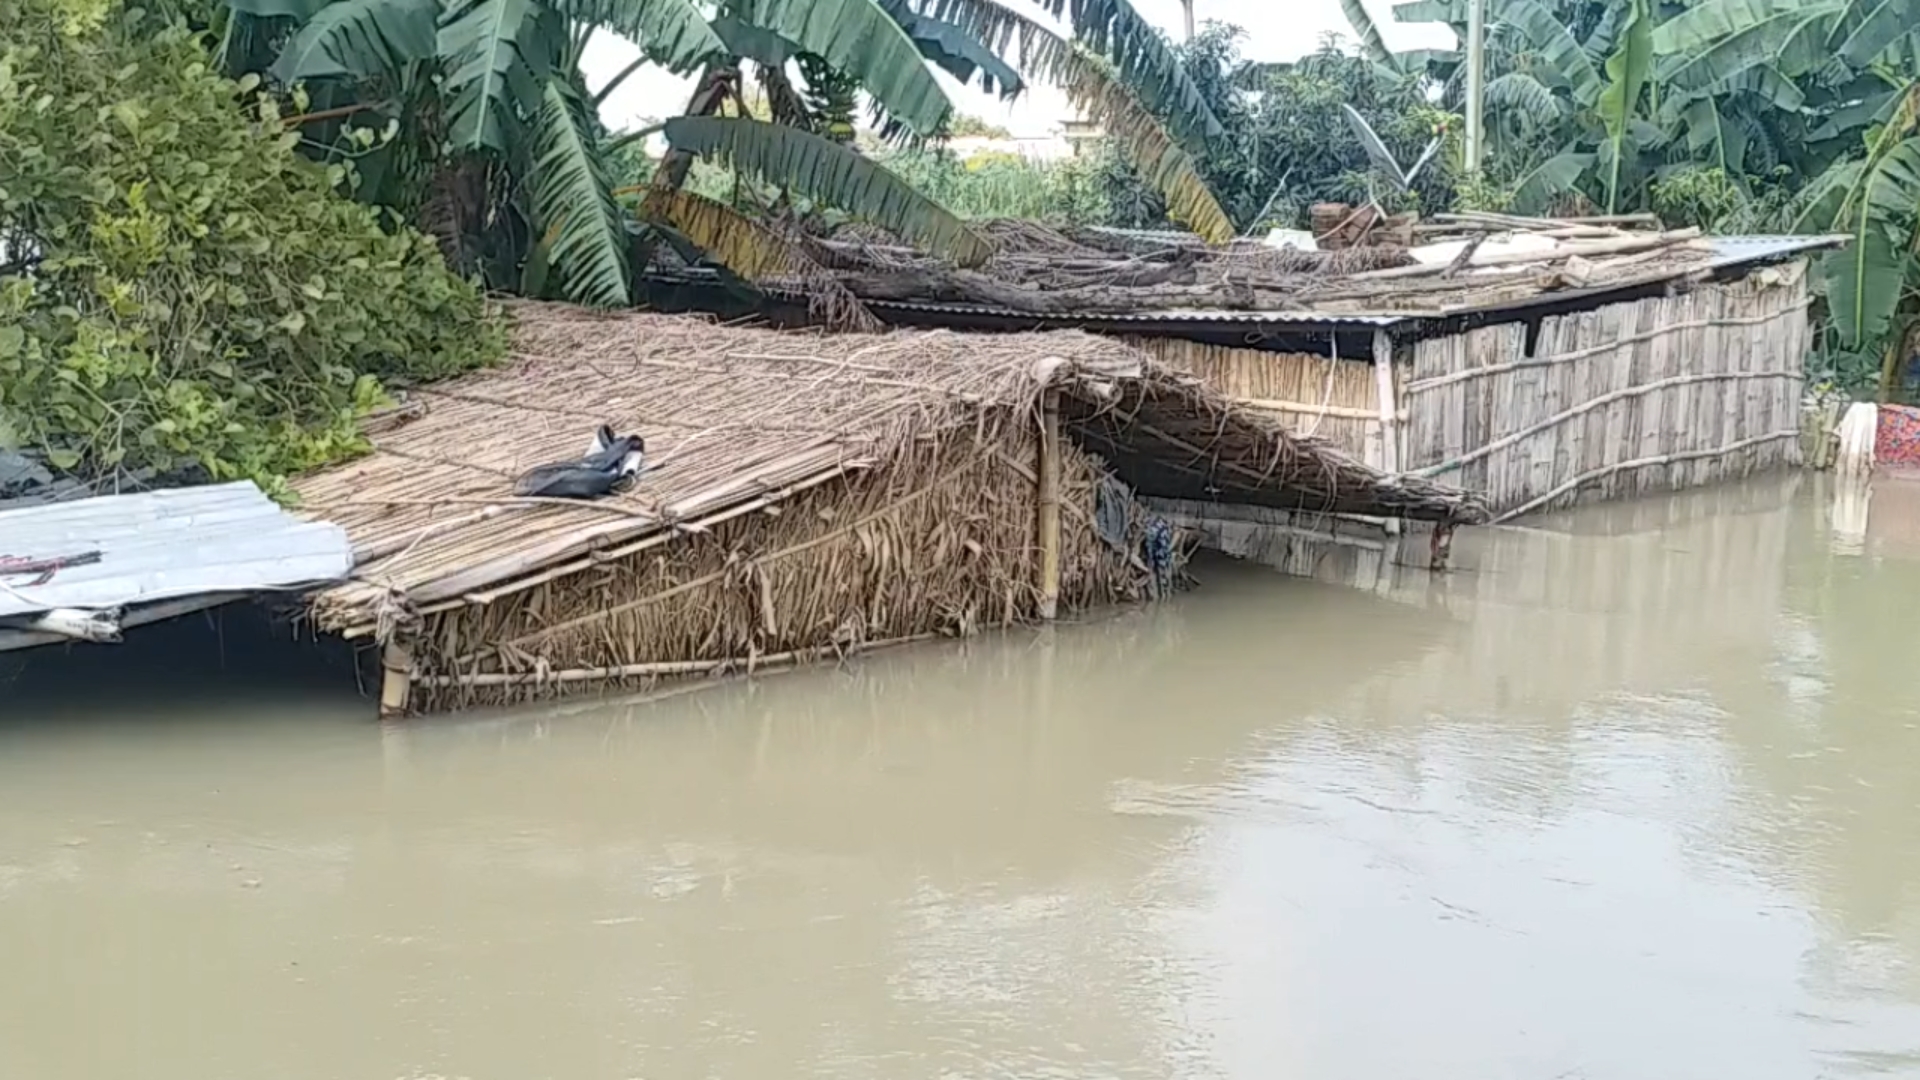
pixel 1634 793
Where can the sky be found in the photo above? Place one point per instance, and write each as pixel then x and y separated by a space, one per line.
pixel 1276 30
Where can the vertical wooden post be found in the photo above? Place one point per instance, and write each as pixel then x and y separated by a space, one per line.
pixel 396 678
pixel 1389 407
pixel 1049 518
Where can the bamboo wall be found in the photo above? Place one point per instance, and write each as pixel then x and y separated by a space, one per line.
pixel 1659 394
pixel 1334 400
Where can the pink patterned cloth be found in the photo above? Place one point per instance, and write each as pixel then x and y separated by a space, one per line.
pixel 1896 444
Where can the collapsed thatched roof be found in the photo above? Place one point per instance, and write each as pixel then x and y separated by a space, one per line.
pixel 738 419
pixel 1067 277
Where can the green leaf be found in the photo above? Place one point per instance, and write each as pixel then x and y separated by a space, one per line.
pixel 1519 94
pixel 857 37
pixel 955 51
pixel 1372 45
pixel 1823 202
pixel 1627 71
pixel 499 53
pixel 829 173
pixel 1431 11
pixel 1145 63
pixel 63 459
pixel 1104 97
pixel 1718 40
pixel 762 46
pixel 359 39
pixel 674 33
pixel 1863 284
pixel 1865 281
pixel 573 204
pixel 1536 190
pixel 1548 33
pixel 1886 26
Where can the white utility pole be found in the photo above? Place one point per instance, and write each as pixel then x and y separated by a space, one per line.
pixel 1186 8
pixel 1476 82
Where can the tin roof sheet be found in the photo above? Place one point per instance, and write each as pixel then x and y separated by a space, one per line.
pixel 123 550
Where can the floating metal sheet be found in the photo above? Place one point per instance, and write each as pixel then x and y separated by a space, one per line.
pixel 161 545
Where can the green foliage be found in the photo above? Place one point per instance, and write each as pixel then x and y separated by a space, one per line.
pixel 1627 71
pixel 830 174
pixel 1723 203
pixel 1289 143
pixel 194 291
pixel 1006 186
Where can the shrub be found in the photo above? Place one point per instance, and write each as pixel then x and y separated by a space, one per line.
pixel 177 285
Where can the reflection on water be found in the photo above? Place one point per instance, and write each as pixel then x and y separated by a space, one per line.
pixel 1631 794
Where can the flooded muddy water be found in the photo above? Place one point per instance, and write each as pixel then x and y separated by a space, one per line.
pixel 1634 793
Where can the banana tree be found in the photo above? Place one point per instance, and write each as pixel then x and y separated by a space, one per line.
pixel 502 156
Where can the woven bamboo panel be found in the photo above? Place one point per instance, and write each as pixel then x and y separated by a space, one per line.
pixel 1659 394
pixel 1308 393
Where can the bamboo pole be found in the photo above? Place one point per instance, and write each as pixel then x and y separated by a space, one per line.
pixel 1342 412
pixel 1604 471
pixel 1592 403
pixel 659 669
pixel 1049 517
pixel 396 678
pixel 1389 415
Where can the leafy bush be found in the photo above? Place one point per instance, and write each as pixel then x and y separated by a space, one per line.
pixel 177 285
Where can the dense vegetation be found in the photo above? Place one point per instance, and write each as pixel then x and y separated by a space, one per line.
pixel 179 287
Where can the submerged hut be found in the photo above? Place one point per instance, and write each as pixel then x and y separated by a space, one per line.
pixel 809 495
pixel 1534 362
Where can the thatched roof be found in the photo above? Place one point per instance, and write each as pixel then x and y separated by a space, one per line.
pixel 738 419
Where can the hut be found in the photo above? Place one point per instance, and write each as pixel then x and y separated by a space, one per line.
pixel 1534 362
pixel 809 495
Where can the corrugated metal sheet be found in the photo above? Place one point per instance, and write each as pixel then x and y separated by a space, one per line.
pixel 1201 315
pixel 161 545
pixel 1739 250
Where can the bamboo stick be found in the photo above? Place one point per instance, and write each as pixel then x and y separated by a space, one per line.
pixel 1049 509
pixel 1343 412
pixel 750 664
pixel 396 678
pixel 1641 463
pixel 1388 415
pixel 1598 401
